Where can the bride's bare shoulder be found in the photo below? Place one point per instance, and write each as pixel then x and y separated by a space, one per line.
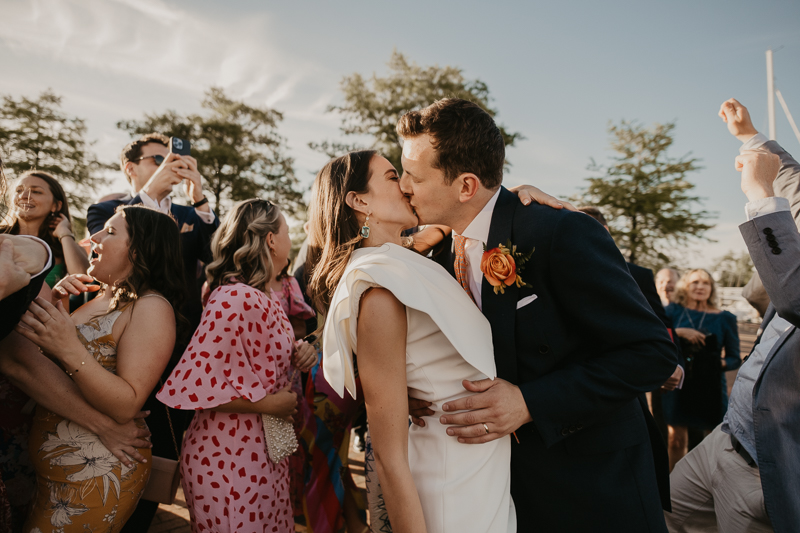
pixel 379 304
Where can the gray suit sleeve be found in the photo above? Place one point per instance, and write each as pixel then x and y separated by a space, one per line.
pixel 787 185
pixel 778 265
pixel 756 295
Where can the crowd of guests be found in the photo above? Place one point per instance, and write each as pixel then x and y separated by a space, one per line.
pixel 198 327
pixel 80 420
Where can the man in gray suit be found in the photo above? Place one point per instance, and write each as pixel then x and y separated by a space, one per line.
pixel 745 476
pixel 787 184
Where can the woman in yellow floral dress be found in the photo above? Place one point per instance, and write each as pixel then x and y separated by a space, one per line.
pixel 124 339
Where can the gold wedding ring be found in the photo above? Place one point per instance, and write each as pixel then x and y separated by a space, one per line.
pixel 486 428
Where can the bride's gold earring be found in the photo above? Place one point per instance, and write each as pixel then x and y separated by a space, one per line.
pixel 365 229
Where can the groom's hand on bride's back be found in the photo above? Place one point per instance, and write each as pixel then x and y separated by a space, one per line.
pixel 528 193
pixel 496 410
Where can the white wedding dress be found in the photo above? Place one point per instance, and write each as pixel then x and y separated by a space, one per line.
pixel 463 487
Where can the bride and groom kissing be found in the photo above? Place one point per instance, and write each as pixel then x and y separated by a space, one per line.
pixel 525 365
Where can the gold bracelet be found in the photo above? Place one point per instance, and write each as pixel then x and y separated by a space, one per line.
pixel 67 235
pixel 70 374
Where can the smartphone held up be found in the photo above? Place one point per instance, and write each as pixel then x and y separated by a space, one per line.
pixel 179 146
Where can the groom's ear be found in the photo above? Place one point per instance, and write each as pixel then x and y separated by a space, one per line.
pixel 356 203
pixel 468 186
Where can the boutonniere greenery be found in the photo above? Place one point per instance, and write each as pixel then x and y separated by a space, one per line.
pixel 502 266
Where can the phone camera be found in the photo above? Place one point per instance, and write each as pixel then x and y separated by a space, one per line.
pixel 178 144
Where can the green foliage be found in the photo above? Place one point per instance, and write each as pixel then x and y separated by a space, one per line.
pixel 37 134
pixel 733 270
pixel 238 150
pixel 373 106
pixel 645 196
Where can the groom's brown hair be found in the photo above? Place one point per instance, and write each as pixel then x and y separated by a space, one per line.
pixel 465 138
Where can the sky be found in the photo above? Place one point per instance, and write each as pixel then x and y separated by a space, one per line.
pixel 558 72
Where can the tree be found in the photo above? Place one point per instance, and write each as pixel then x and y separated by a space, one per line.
pixel 373 107
pixel 645 195
pixel 238 150
pixel 732 270
pixel 37 134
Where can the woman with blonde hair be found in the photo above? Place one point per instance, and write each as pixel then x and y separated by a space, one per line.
pixel 704 332
pixel 236 368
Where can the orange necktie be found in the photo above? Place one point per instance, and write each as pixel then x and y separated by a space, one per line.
pixel 460 265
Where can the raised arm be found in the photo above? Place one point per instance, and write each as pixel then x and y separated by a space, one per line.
pixel 787 182
pixel 777 259
pixel 382 328
pixel 75 258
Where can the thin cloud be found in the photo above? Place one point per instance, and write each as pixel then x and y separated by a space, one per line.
pixel 183 50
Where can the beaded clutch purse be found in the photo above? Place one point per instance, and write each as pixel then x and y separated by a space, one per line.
pixel 279 437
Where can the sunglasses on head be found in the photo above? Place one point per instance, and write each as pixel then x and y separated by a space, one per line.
pixel 157 158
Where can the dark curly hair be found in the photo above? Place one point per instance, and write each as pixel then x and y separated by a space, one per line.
pixel 154 251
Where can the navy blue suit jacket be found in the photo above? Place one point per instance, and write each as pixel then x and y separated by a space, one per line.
pixel 582 353
pixel 195 245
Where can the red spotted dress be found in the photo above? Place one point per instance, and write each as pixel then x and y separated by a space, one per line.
pixel 241 349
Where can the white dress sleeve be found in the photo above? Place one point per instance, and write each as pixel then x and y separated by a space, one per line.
pixel 418 283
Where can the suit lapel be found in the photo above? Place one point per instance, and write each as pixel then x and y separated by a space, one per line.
pixel 500 309
pixel 442 253
pixel 774 350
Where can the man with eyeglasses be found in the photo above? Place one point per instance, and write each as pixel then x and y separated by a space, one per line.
pixel 152 172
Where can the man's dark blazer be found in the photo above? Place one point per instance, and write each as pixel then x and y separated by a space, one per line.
pixel 646 283
pixel 13 306
pixel 195 244
pixel 582 353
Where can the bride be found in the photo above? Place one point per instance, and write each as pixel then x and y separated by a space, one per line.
pixel 415 332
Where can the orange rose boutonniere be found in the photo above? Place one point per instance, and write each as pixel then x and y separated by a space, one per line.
pixel 502 265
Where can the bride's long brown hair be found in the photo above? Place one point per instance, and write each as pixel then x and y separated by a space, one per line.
pixel 333 227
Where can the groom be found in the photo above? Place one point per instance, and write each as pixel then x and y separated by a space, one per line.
pixel 576 346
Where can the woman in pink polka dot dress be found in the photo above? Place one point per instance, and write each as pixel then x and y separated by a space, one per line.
pixel 234 369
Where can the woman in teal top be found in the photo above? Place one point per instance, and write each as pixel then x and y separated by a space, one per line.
pixel 704 331
pixel 40 209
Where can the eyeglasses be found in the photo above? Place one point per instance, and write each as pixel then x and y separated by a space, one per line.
pixel 157 158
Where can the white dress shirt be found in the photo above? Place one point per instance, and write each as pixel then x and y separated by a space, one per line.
pixel 477 233
pixel 166 204
pixel 49 253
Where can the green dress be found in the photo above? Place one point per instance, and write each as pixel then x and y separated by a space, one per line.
pixel 58 273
